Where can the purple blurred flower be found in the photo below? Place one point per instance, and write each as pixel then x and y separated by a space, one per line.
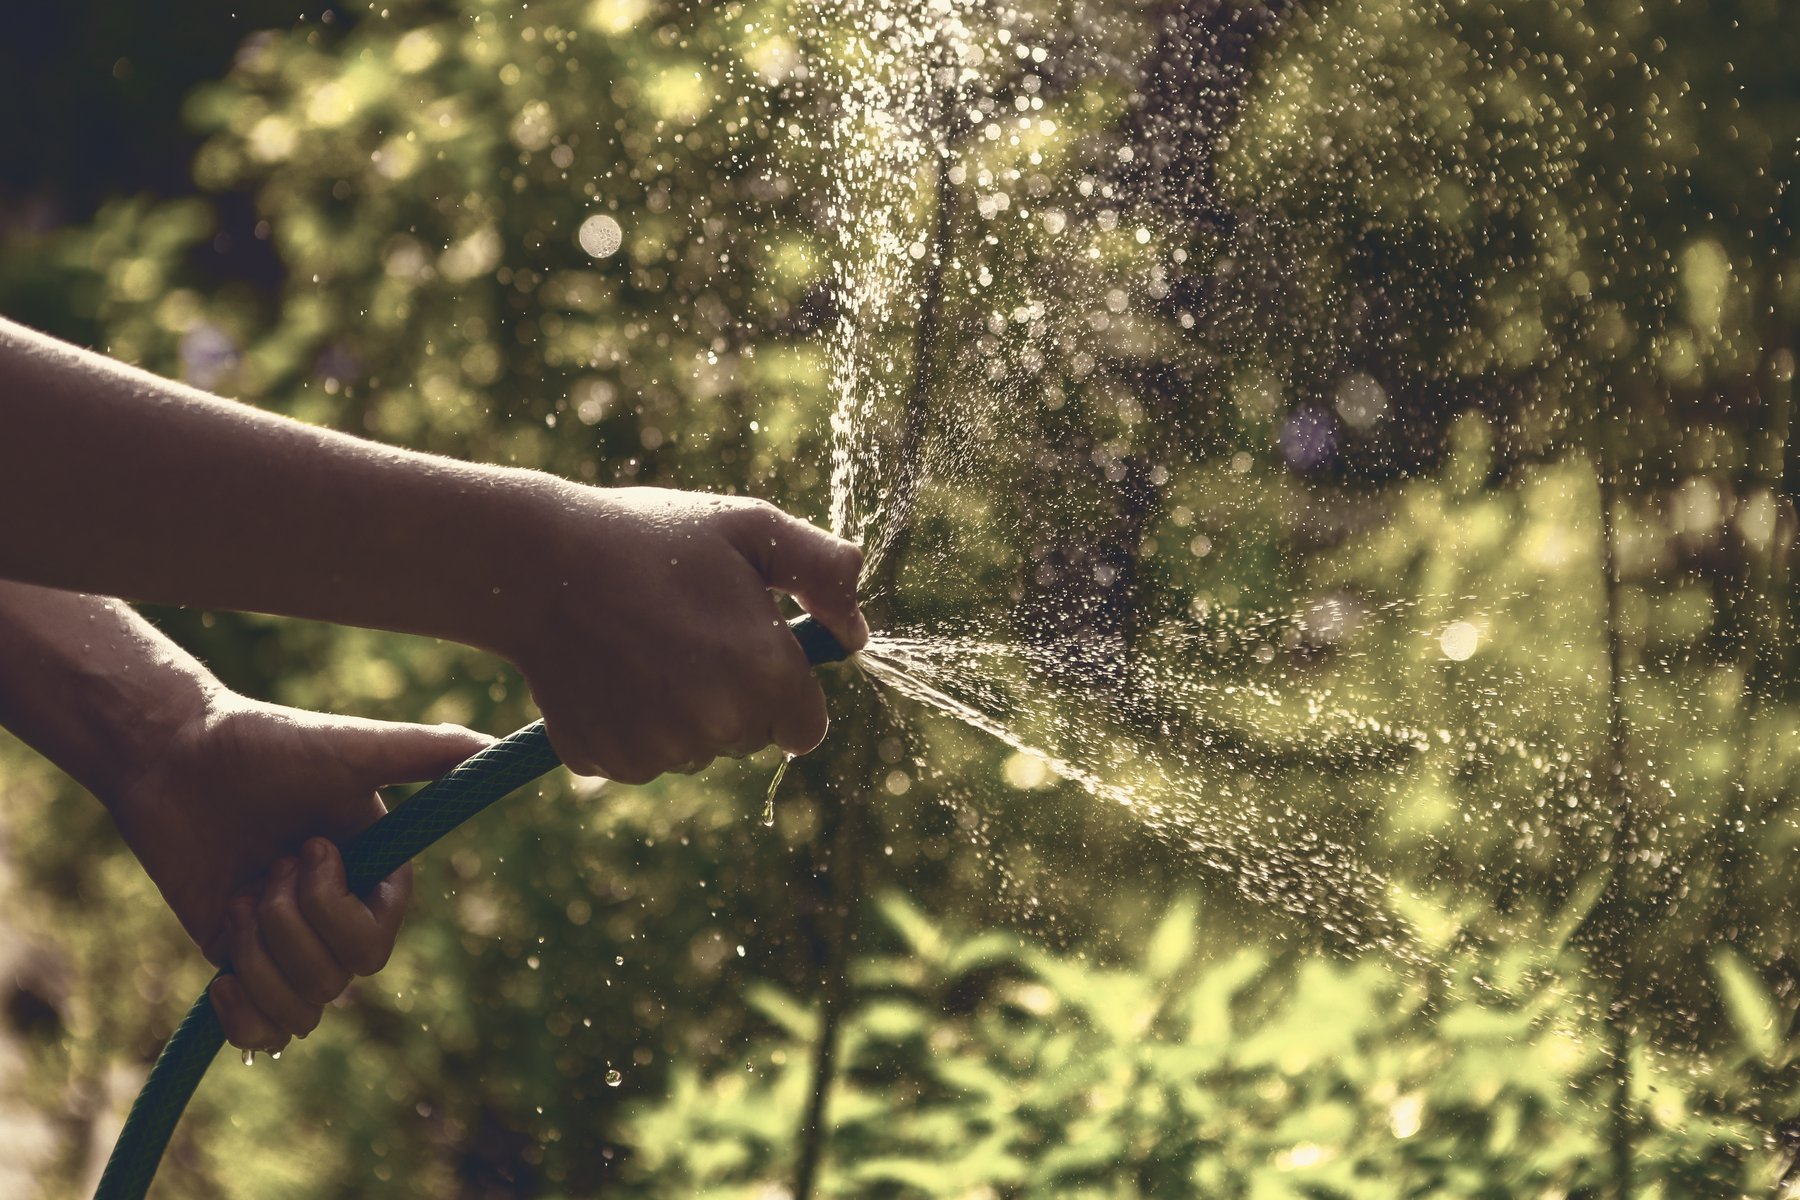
pixel 336 362
pixel 1309 438
pixel 208 355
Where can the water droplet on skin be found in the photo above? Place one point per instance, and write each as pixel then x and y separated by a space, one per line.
pixel 248 1058
pixel 614 1079
pixel 768 818
pixel 274 1056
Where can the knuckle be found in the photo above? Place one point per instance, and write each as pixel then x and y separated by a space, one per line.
pixel 633 774
pixel 752 742
pixel 810 720
pixel 246 946
pixel 316 991
pixel 720 727
pixel 726 741
pixel 315 892
pixel 771 661
pixel 277 906
pixel 580 764
pixel 659 755
pixel 756 517
pixel 367 960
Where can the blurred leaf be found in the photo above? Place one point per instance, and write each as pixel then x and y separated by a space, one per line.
pixel 1752 1010
pixel 1173 942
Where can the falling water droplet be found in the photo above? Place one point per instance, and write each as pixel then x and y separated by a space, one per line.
pixel 614 1079
pixel 769 800
pixel 249 1058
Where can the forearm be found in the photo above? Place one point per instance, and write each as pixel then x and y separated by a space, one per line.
pixel 91 685
pixel 118 482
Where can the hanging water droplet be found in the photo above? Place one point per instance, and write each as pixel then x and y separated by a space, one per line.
pixel 769 800
pixel 274 1056
pixel 614 1079
pixel 248 1057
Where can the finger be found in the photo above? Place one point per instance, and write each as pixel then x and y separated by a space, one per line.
pixel 389 901
pixel 577 756
pixel 393 752
pixel 602 755
pixel 656 751
pixel 307 963
pixel 352 930
pixel 246 1026
pixel 815 568
pixel 798 721
pixel 746 746
pixel 718 726
pixel 262 981
pixel 631 772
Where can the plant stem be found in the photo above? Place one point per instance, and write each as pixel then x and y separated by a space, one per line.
pixel 841 866
pixel 1624 836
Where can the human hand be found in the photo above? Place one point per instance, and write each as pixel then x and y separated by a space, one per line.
pixel 659 647
pixel 235 820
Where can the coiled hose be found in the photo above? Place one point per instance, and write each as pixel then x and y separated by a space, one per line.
pixel 371 856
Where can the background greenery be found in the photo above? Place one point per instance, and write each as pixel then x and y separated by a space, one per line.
pixel 1548 246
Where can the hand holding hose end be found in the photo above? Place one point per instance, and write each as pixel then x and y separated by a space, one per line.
pixel 658 646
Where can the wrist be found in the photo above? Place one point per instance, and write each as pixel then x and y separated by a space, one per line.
pixel 94 687
pixel 502 575
pixel 147 721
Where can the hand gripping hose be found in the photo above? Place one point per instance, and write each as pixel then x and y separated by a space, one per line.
pixel 371 856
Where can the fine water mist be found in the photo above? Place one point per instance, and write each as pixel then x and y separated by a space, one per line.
pixel 1157 490
pixel 941 183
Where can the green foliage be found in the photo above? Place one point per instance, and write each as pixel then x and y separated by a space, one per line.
pixel 987 1066
pixel 1515 255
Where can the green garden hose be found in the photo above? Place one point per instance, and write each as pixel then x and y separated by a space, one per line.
pixel 372 856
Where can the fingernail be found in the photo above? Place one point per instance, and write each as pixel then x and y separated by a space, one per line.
pixel 315 852
pixel 284 870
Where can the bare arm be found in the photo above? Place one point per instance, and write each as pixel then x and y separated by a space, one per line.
pixel 228 803
pixel 123 483
pixel 91 685
pixel 639 616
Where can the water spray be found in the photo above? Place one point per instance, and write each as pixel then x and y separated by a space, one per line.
pixel 370 857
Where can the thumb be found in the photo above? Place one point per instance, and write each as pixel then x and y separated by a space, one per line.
pixel 818 570
pixel 392 752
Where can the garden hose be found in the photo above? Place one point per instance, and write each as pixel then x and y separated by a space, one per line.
pixel 369 858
